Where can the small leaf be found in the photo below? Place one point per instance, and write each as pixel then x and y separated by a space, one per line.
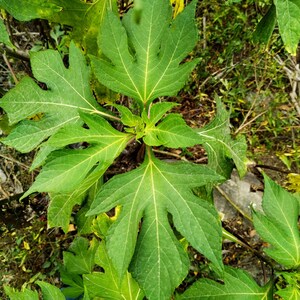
pixel 25 294
pixel 221 147
pixel 288 12
pixel 4 37
pixel 79 259
pixel 172 132
pixel 149 193
pixel 289 293
pixel 237 285
pixel 74 284
pixel 127 117
pixel 67 168
pixel 279 224
pixel 108 285
pixel 179 6
pixel 143 58
pixel 50 292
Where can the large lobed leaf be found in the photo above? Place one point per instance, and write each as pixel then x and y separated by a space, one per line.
pixel 144 57
pixel 149 194
pixel 279 224
pixel 237 285
pixel 69 173
pixel 67 92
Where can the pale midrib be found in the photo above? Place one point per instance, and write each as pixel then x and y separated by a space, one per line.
pixel 156 222
pixel 294 237
pixel 147 59
pixel 124 65
pixel 90 158
pixel 166 69
pixel 69 84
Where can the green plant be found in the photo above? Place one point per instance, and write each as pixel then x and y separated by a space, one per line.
pixel 144 57
pixel 278 226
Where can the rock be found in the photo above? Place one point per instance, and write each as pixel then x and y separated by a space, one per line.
pixel 242 194
pixel 3 176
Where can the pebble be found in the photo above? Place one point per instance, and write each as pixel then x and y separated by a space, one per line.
pixel 3 177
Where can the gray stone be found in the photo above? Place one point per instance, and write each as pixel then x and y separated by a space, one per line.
pixel 242 194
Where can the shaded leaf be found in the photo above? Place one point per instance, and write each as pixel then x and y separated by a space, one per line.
pixel 265 27
pixel 60 207
pixel 4 37
pixel 80 257
pixel 279 224
pixel 27 10
pixel 149 193
pixel 107 284
pixel 143 58
pixel 237 285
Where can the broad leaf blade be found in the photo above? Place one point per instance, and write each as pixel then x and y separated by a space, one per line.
pixel 237 285
pixel 67 168
pixel 67 92
pixel 50 292
pixel 278 225
pixel 289 23
pixel 221 147
pixel 26 294
pixel 159 46
pixel 149 193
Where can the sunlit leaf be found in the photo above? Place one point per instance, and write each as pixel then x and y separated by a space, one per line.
pixel 279 224
pixel 144 59
pixel 26 294
pixel 289 23
pixel 148 194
